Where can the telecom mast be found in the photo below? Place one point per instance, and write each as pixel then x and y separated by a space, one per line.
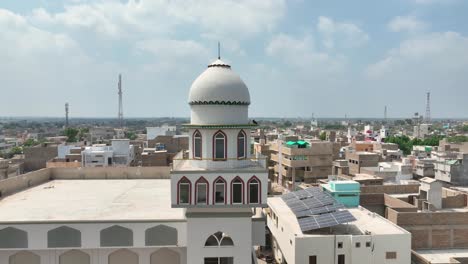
pixel 120 115
pixel 428 107
pixel 66 114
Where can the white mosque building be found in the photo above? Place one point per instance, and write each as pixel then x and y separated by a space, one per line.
pixel 208 212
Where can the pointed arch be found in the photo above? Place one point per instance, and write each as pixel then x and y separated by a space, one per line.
pixel 123 256
pixel 219 239
pixel 63 236
pixel 161 235
pixel 11 237
pixel 165 256
pixel 197 143
pixel 219 145
pixel 254 190
pixel 184 191
pixel 241 144
pixel 24 257
pixel 202 190
pixel 116 236
pixel 237 190
pixel 219 191
pixel 74 256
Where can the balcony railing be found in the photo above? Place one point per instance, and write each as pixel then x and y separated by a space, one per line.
pixel 182 161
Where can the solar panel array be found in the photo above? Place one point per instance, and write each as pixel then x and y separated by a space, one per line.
pixel 316 209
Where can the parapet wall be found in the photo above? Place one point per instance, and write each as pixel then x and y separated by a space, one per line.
pixel 24 181
pixel 433 230
pixel 391 189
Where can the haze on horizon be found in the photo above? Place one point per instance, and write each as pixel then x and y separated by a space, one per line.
pixel 297 57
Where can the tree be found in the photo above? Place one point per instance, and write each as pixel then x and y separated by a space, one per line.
pixel 71 134
pixel 287 123
pixel 130 135
pixel 323 135
pixel 31 142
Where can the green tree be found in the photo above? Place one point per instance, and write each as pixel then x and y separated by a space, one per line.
pixel 287 123
pixel 71 134
pixel 130 135
pixel 31 142
pixel 323 135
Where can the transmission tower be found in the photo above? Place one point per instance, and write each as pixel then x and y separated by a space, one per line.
pixel 120 115
pixel 428 107
pixel 66 114
pixel 385 114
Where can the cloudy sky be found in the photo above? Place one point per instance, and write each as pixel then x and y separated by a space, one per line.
pixel 297 57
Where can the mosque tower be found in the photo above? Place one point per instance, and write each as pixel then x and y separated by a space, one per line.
pixel 218 182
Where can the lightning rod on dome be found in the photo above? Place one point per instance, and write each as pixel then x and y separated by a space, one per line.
pixel 219 51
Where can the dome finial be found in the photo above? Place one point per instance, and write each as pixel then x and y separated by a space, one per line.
pixel 219 51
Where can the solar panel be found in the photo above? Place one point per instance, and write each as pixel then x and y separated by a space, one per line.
pixel 316 209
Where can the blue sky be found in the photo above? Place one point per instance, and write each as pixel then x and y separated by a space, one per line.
pixel 297 57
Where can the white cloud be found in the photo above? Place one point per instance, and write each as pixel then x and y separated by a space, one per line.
pixel 428 56
pixel 170 48
pixel 302 54
pixel 406 23
pixel 340 33
pixel 116 19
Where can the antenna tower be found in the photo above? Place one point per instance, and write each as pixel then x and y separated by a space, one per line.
pixel 385 114
pixel 428 107
pixel 120 115
pixel 66 114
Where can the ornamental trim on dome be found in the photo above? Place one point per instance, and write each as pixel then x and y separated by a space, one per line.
pixel 218 103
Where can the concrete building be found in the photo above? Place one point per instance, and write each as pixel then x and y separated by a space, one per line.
pixel 359 159
pixel 424 168
pixel 451 167
pixel 9 168
pixel 345 192
pixel 298 161
pixel 101 134
pixel 164 130
pixel 370 238
pixel 36 157
pixel 120 153
pixel 422 130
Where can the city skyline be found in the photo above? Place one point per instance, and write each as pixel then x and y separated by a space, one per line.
pixel 378 53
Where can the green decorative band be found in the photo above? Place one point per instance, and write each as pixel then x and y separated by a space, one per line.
pixel 220 126
pixel 218 103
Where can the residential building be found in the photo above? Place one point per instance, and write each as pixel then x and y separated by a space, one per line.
pixel 164 130
pixel 36 157
pixel 298 161
pixel 422 130
pixel 120 153
pixel 365 238
pixel 451 167
pixel 359 159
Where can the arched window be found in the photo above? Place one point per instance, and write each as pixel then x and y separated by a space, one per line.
pixel 201 191
pixel 219 146
pixel 237 191
pixel 197 145
pixel 254 191
pixel 184 191
pixel 241 145
pixel 219 239
pixel 219 194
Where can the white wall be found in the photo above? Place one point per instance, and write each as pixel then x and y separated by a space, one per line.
pixel 90 233
pixel 97 256
pixel 211 177
pixel 219 114
pixel 207 142
pixel 238 228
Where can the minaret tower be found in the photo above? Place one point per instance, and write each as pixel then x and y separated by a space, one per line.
pixel 217 180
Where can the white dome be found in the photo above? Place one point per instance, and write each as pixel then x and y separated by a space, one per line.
pixel 219 85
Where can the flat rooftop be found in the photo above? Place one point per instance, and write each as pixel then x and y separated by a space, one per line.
pixel 442 256
pixel 365 221
pixel 92 200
